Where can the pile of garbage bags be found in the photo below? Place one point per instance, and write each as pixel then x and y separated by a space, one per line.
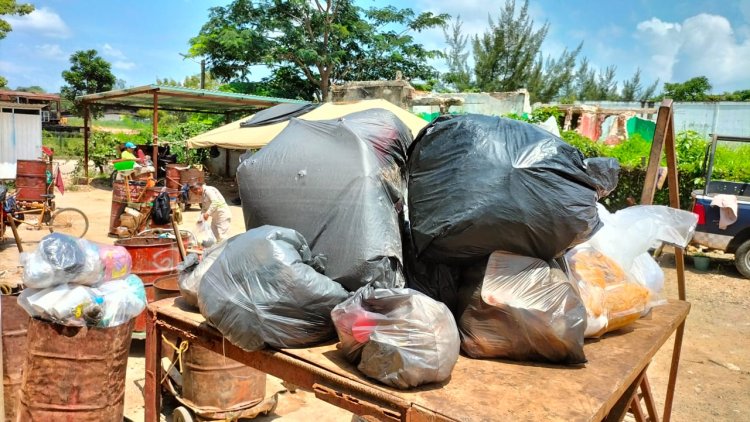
pixel 399 337
pixel 341 184
pixel 267 288
pixel 76 282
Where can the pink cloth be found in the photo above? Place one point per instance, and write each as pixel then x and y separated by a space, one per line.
pixel 728 211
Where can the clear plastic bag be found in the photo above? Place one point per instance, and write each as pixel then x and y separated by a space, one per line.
pixel 192 271
pixel 521 308
pixel 612 298
pixel 203 234
pixel 121 300
pixel 61 259
pixel 265 289
pixel 399 337
pixel 65 304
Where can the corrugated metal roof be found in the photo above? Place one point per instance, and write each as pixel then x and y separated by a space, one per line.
pixel 6 95
pixel 22 106
pixel 187 99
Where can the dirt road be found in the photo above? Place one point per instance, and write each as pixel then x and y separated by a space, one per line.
pixel 714 377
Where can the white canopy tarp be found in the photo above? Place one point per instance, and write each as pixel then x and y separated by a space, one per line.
pixel 232 136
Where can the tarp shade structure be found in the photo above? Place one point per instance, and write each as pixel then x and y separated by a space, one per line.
pixel 277 114
pixel 234 136
pixel 172 98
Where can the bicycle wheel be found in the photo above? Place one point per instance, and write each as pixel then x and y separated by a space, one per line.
pixel 69 221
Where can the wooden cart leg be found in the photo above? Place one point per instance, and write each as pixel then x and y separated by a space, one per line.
pixel 673 373
pixel 618 411
pixel 648 398
pixel 152 388
pixel 635 409
pixel 13 228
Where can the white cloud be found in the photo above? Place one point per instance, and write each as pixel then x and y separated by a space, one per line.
pixel 111 52
pixel 43 21
pixel 51 51
pixel 14 68
pixel 123 65
pixel 701 45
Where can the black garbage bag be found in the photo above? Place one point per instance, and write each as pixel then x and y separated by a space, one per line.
pixel 438 281
pixel 521 308
pixel 263 289
pixel 340 183
pixel 478 184
pixel 399 337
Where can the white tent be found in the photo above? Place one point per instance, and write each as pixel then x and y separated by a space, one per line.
pixel 233 136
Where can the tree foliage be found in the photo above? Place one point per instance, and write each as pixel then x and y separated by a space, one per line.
pixel 3 82
pixel 33 88
pixel 313 42
pixel 88 74
pixel 548 79
pixel 456 56
pixel 505 54
pixel 11 8
pixel 694 89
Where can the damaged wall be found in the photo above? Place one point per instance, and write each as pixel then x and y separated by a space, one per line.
pixel 493 103
pixel 398 92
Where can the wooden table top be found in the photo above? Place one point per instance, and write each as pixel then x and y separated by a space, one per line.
pixel 490 389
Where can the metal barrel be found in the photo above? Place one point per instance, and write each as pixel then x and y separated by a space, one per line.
pixel 215 385
pixel 152 257
pixel 74 374
pixel 166 287
pixel 173 176
pixel 31 179
pixel 15 322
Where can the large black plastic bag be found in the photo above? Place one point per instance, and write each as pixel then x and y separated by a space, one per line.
pixel 340 183
pixel 521 308
pixel 263 289
pixel 478 184
pixel 399 337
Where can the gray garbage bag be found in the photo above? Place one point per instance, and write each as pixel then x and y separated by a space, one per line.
pixel 340 183
pixel 399 337
pixel 478 184
pixel 262 289
pixel 192 271
pixel 521 308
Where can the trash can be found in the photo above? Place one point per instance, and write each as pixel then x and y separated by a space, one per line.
pixel 74 374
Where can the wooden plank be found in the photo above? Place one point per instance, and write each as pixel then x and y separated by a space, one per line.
pixel 657 146
pixel 529 391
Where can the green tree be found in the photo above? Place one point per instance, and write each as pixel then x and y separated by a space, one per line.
pixel 458 75
pixel 319 42
pixel 632 88
pixel 694 89
pixel 549 78
pixel 3 83
pixel 505 54
pixel 88 74
pixel 33 88
pixel 10 8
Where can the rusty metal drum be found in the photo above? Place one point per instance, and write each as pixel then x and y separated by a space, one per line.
pixel 31 179
pixel 74 374
pixel 15 322
pixel 216 387
pixel 173 176
pixel 153 258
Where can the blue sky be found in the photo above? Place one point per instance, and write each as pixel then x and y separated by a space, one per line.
pixel 670 40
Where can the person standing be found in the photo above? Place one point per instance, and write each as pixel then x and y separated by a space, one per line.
pixel 214 206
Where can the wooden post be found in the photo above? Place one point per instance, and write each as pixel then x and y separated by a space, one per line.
pixel 155 132
pixel 178 237
pixel 664 139
pixel 14 229
pixel 86 118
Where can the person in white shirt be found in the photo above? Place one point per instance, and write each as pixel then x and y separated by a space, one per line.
pixel 214 206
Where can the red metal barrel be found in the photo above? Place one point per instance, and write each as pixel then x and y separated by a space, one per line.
pixel 74 374
pixel 216 386
pixel 188 177
pixel 31 179
pixel 173 176
pixel 152 258
pixel 15 322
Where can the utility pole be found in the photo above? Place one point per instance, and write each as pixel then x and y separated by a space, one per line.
pixel 203 73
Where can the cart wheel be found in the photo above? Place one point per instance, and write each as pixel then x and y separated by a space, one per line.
pixel 70 221
pixel 181 414
pixel 742 259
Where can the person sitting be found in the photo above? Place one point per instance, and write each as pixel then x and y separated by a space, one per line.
pixel 129 152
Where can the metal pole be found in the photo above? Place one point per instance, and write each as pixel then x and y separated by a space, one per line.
pixel 155 132
pixel 203 74
pixel 86 141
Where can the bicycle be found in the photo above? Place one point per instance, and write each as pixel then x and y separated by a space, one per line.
pixel 70 221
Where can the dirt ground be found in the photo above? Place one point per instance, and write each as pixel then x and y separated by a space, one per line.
pixel 714 376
